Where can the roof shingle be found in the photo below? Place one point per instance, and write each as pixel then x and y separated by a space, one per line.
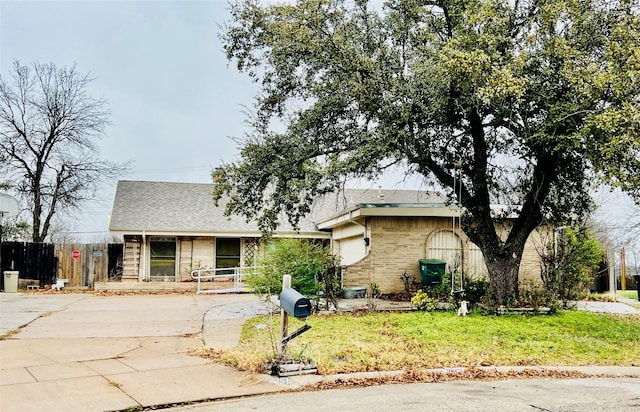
pixel 189 208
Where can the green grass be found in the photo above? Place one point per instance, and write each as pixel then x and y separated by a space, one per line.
pixel 629 294
pixel 392 341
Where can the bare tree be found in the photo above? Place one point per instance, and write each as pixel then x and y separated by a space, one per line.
pixel 49 129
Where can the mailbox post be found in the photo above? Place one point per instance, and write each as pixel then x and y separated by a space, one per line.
pixel 284 318
pixel 292 303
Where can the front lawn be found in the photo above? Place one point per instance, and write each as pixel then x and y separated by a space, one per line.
pixel 393 341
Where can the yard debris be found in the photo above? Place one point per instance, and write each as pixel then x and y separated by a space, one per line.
pixel 456 374
pixel 212 354
pixel 425 375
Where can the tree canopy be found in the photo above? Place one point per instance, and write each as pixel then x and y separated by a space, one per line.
pixel 49 128
pixel 520 102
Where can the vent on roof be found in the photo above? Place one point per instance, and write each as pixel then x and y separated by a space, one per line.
pixel 380 194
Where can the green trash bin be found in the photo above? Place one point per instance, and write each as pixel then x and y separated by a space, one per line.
pixel 432 271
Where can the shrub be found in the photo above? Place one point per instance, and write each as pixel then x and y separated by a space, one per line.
pixel 422 301
pixel 535 296
pixel 569 266
pixel 475 288
pixel 312 267
pixel 372 297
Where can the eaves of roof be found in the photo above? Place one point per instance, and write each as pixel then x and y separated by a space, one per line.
pixel 355 213
pixel 256 234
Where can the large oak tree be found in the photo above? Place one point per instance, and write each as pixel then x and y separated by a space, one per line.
pixel 49 130
pixel 521 102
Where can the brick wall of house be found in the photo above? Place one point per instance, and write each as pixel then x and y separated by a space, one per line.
pixel 397 243
pixel 530 265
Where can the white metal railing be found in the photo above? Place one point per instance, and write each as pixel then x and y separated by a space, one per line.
pixel 237 275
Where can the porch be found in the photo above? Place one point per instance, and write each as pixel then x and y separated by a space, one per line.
pixel 223 280
pixel 165 287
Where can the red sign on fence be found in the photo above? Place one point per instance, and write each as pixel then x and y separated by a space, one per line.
pixel 75 254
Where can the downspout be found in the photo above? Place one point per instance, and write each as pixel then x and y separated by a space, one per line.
pixel 143 276
pixel 177 273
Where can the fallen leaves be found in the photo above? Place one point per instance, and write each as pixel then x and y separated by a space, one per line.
pixel 456 374
pixel 212 354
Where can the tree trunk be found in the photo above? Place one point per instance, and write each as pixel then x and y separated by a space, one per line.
pixel 502 257
pixel 35 217
pixel 503 271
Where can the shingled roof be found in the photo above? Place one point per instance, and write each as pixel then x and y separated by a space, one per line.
pixel 188 208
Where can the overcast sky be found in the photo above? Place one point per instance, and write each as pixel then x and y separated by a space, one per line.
pixel 174 99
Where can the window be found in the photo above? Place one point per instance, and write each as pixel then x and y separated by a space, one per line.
pixel 227 253
pixel 162 258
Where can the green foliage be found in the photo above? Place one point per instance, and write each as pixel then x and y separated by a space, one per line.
pixel 423 301
pixel 476 288
pixel 520 103
pixel 15 231
pixel 311 265
pixel 569 265
pixel 374 290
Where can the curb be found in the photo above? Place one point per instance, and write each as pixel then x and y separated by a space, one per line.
pixel 301 381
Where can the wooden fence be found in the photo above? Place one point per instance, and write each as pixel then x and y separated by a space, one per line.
pixel 81 264
pixel 36 261
pixel 84 264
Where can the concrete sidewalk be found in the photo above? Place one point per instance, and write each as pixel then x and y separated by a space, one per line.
pixel 94 353
pixel 82 352
pixel 623 306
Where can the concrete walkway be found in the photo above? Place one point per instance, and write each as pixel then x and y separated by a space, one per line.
pixel 82 352
pixel 94 353
pixel 623 306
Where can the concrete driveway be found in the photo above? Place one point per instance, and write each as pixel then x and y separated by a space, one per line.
pixel 80 352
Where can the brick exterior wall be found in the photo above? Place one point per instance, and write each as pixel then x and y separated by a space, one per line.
pixel 397 243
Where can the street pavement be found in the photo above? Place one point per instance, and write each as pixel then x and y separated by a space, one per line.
pixel 534 395
pixel 85 352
